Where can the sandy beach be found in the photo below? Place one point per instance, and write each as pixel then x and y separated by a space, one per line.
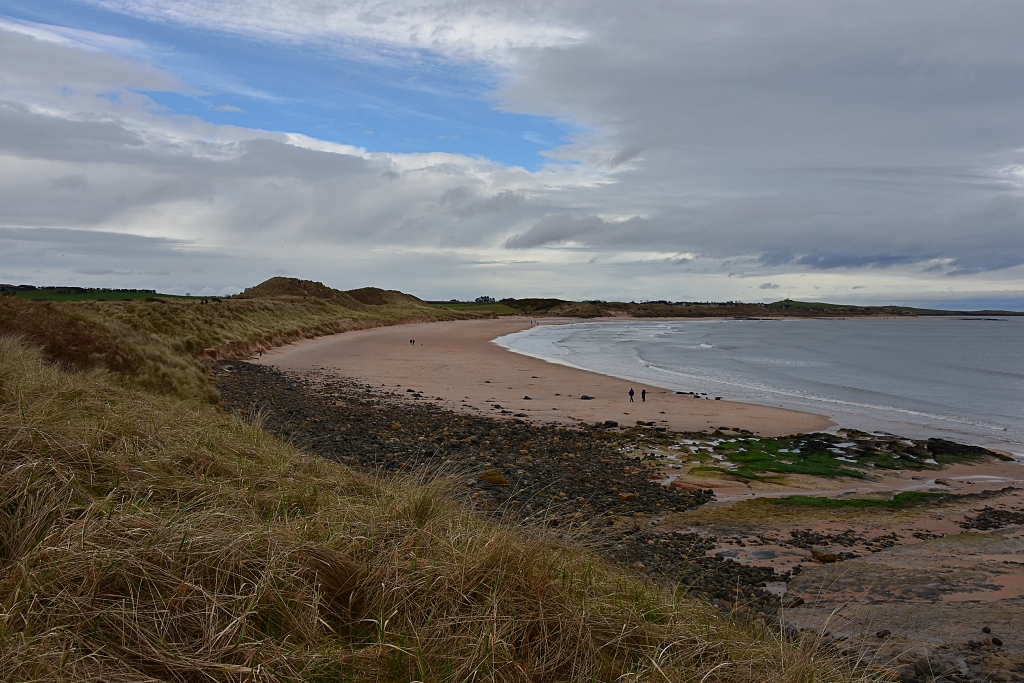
pixel 927 577
pixel 455 365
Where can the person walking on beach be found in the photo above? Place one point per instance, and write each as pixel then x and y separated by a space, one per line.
pixel 631 392
pixel 643 395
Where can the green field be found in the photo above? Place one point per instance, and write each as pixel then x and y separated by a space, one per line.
pixel 500 309
pixel 70 294
pixel 899 501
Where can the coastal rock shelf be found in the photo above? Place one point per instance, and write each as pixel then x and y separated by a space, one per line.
pixel 849 453
pixel 550 475
pixel 634 493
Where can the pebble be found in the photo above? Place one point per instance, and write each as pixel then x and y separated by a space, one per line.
pixel 989 518
pixel 550 474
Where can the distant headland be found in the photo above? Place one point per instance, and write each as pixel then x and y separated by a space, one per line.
pixel 296 290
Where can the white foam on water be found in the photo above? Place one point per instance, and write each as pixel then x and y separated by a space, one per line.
pixel 916 377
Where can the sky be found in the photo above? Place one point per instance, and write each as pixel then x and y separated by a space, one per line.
pixel 692 150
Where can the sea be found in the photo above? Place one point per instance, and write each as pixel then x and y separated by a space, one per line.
pixel 958 378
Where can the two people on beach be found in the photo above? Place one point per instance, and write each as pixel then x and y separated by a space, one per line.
pixel 643 395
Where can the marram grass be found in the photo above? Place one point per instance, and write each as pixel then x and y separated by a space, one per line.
pixel 146 538
pixel 155 344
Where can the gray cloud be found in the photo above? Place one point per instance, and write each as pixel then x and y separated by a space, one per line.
pixel 71 182
pixel 630 152
pixel 842 137
pixel 466 203
pixel 29 135
pixel 87 242
pixel 561 227
pixel 782 137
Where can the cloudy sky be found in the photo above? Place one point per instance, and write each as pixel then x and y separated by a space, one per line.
pixel 856 151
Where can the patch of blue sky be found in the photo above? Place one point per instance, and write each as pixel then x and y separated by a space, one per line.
pixel 416 102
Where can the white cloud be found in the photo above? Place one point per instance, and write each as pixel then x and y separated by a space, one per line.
pixel 44 69
pixel 457 28
pixel 72 37
pixel 789 143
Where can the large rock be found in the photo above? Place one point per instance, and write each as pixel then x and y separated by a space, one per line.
pixel 823 555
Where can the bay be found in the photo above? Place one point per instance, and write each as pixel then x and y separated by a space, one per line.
pixel 955 378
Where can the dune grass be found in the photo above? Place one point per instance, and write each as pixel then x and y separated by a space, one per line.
pixel 145 537
pixel 156 344
pixel 497 308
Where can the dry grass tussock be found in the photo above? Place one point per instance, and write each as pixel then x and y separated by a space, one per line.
pixel 155 344
pixel 148 538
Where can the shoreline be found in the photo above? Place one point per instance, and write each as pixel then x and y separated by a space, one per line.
pixel 456 365
pixel 927 574
pixel 459 391
pixel 953 427
pixel 887 565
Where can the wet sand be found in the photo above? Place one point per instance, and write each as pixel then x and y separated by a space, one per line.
pixel 921 576
pixel 454 364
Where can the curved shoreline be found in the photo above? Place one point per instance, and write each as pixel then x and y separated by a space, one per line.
pixel 455 364
pixel 868 417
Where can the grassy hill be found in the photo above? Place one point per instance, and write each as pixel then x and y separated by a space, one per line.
pixel 147 536
pixel 157 343
pixel 816 306
pixel 473 307
pixel 559 308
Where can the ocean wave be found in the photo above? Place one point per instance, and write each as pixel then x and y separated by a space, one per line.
pixel 630 351
pixel 815 398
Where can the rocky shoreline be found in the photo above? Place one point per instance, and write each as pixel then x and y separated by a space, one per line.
pixel 591 480
pixel 601 485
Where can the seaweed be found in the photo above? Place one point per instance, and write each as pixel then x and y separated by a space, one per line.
pixel 899 501
pixel 849 453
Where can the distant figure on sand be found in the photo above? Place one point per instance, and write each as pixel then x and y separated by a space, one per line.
pixel 643 395
pixel 413 342
pixel 631 392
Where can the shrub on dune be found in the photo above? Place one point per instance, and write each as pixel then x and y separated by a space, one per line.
pixel 149 538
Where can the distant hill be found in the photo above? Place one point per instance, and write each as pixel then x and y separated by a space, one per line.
pixel 294 289
pixel 67 293
pixel 787 308
pixel 822 307
pixel 371 296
